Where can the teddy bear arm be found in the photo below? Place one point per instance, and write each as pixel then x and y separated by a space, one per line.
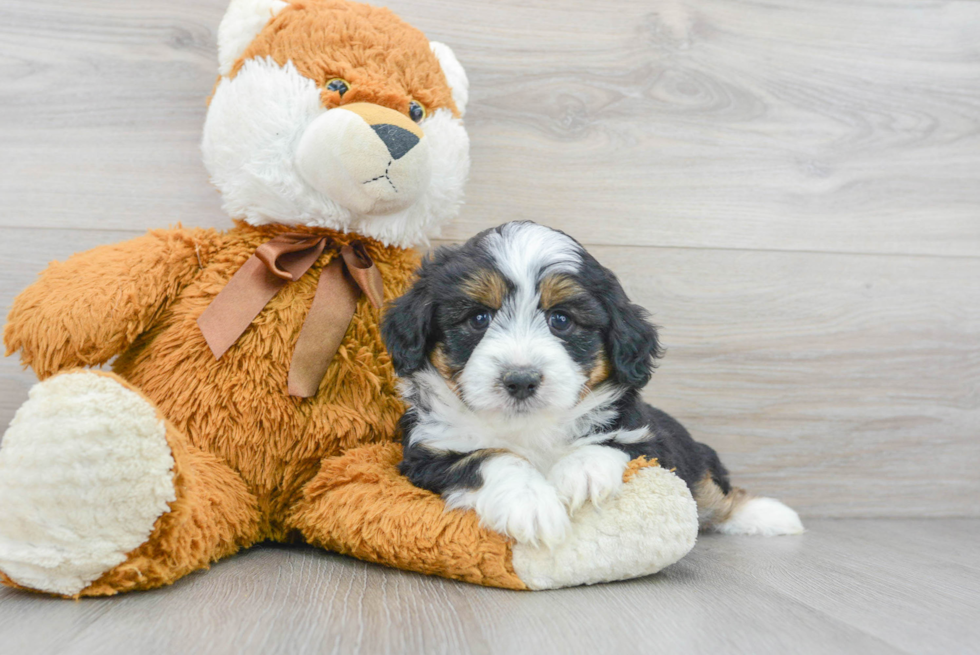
pixel 91 307
pixel 360 505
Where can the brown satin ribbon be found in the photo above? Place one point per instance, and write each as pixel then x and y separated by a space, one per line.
pixel 275 263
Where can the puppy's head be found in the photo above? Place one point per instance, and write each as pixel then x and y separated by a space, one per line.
pixel 520 319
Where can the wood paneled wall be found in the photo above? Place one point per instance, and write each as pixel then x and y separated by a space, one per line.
pixel 791 187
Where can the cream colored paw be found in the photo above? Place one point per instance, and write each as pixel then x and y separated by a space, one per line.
pixel 652 523
pixel 591 473
pixel 85 471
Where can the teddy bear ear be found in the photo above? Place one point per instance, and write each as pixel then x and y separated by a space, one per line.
pixel 454 73
pixel 242 22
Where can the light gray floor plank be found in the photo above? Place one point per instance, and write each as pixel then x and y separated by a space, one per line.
pixel 868 575
pixel 847 586
pixel 840 125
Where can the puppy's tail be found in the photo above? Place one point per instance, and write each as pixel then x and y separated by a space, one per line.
pixel 737 512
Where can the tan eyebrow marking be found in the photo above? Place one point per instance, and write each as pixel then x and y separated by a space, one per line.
pixel 556 289
pixel 486 287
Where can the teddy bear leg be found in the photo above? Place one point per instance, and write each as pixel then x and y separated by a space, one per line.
pixel 100 494
pixel 360 505
pixel 649 525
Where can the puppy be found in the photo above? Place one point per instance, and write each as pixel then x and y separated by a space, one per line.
pixel 522 362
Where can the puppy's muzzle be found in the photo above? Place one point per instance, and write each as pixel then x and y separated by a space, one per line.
pixel 367 158
pixel 521 383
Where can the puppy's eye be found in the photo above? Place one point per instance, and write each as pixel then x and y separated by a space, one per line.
pixel 480 321
pixel 559 322
pixel 416 111
pixel 338 85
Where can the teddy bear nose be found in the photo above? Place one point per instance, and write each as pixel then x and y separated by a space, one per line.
pixel 398 140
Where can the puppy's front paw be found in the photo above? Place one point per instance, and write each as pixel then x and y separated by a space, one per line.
pixel 591 473
pixel 517 501
pixel 534 514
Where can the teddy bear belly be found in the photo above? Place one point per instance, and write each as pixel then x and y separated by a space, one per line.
pixel 238 408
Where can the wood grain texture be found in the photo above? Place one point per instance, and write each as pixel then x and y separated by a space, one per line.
pixel 790 187
pixel 847 386
pixel 865 586
pixel 846 126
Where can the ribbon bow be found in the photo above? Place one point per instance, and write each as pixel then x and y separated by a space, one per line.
pixel 275 263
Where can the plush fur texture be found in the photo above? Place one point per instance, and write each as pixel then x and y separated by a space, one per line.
pixel 362 506
pixel 650 525
pixel 131 479
pixel 266 105
pixel 100 506
pixel 523 361
pixel 235 408
pixel 454 73
pixel 264 445
pixel 242 22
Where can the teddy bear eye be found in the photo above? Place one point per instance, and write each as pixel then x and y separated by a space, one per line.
pixel 416 111
pixel 338 85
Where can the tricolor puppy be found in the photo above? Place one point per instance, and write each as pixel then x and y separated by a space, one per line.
pixel 522 361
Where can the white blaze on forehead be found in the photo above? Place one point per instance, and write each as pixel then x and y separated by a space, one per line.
pixel 519 335
pixel 526 252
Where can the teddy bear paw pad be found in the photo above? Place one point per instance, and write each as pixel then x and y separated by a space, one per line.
pixel 85 471
pixel 651 524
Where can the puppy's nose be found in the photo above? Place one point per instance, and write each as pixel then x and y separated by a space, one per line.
pixel 521 383
pixel 398 140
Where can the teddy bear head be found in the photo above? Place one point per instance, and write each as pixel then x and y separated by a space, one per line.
pixel 336 114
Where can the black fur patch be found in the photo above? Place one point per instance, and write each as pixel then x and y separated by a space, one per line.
pixel 436 309
pixel 630 339
pixel 584 340
pixel 439 471
pixel 670 443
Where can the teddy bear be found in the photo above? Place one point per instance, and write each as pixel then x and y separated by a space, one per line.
pixel 250 397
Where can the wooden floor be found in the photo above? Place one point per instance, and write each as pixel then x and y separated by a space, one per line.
pixel 792 187
pixel 846 586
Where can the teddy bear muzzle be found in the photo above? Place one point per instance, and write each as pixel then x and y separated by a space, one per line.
pixel 370 159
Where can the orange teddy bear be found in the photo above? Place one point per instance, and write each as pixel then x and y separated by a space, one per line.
pixel 251 397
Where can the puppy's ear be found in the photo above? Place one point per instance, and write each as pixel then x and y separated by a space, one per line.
pixel 631 341
pixel 405 328
pixel 407 323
